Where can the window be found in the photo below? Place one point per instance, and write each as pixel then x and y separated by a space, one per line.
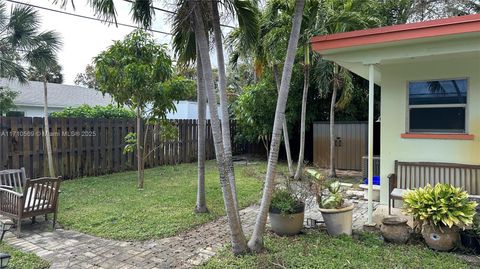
pixel 437 106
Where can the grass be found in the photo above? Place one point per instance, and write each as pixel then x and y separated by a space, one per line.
pixel 316 249
pixel 111 206
pixel 22 260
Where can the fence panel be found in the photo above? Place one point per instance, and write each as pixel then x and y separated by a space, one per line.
pixel 90 147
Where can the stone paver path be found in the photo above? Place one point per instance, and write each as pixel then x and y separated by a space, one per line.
pixel 71 249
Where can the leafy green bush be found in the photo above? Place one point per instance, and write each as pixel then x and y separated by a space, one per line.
pixel 440 205
pixel 285 202
pixel 333 198
pixel 90 112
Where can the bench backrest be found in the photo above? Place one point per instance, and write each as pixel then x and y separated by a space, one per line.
pixel 41 195
pixel 15 178
pixel 410 175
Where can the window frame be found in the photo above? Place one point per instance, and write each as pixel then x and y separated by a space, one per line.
pixel 466 105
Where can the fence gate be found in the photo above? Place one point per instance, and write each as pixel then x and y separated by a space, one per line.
pixel 351 141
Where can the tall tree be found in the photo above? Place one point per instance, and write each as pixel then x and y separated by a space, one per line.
pixel 201 206
pixel 43 61
pixel 19 31
pixel 86 79
pixel 54 75
pixel 132 71
pixel 239 244
pixel 256 241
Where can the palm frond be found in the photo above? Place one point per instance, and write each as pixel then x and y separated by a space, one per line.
pixel 104 9
pixel 347 89
pixel 143 12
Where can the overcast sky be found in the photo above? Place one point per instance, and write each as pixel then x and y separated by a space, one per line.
pixel 83 39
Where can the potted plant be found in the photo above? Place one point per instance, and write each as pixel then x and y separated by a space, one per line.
pixel 336 212
pixel 471 237
pixel 440 211
pixel 286 212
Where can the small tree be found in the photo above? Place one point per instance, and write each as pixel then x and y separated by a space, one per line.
pixel 137 73
pixel 7 100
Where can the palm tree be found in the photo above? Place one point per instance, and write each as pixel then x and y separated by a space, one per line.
pixel 43 60
pixel 341 16
pixel 238 239
pixel 256 241
pixel 247 18
pixel 18 35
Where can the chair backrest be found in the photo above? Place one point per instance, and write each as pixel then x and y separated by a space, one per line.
pixel 412 175
pixel 41 194
pixel 15 178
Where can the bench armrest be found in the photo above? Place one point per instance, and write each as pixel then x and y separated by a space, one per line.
pixel 6 187
pixel 392 182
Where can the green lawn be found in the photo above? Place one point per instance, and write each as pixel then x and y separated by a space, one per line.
pixel 22 260
pixel 318 250
pixel 111 206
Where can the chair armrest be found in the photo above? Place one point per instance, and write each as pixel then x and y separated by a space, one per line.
pixel 3 190
pixel 392 182
pixel 6 187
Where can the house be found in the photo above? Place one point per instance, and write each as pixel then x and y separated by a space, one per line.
pixel 30 99
pixel 188 110
pixel 429 74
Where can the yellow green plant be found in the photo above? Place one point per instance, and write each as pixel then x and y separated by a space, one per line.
pixel 441 205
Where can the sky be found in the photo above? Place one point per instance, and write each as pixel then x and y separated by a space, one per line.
pixel 83 39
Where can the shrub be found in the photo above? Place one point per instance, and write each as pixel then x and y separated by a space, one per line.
pixel 90 112
pixel 442 205
pixel 285 201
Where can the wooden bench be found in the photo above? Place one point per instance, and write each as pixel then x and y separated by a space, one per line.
pixel 39 197
pixel 14 179
pixel 411 175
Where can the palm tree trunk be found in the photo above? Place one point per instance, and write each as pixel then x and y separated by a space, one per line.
pixel 256 242
pixel 201 206
pixel 286 139
pixel 333 172
pixel 140 167
pixel 48 142
pixel 222 81
pixel 238 240
pixel 306 84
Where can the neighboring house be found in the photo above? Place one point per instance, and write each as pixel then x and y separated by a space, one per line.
pixel 188 110
pixel 30 99
pixel 429 73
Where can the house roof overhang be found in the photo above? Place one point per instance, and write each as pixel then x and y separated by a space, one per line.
pixel 407 42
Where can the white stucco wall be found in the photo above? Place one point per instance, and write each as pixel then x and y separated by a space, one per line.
pixel 35 111
pixel 394 110
pixel 188 110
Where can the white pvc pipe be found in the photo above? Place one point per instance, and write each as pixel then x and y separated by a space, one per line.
pixel 371 85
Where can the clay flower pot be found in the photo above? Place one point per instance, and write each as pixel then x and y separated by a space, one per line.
pixel 338 220
pixel 395 230
pixel 440 238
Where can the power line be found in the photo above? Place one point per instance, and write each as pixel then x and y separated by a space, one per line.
pixel 84 17
pixel 173 12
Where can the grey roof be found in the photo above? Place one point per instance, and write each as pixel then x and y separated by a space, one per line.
pixel 59 95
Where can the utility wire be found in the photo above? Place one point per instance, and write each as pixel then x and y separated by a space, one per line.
pixel 85 17
pixel 173 12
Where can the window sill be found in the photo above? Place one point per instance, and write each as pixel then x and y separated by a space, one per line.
pixel 439 136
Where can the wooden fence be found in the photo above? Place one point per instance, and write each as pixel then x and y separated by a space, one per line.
pixel 90 147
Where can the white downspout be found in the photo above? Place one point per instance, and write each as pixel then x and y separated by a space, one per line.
pixel 371 85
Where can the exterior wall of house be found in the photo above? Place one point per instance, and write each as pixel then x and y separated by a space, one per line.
pixel 187 110
pixel 35 111
pixel 394 114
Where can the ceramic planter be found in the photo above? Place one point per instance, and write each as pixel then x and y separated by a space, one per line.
pixel 287 224
pixel 395 230
pixel 440 238
pixel 338 221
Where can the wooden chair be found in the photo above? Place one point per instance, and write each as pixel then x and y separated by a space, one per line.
pixel 39 197
pixel 13 179
pixel 411 175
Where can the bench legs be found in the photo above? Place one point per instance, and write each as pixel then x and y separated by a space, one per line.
pixel 19 227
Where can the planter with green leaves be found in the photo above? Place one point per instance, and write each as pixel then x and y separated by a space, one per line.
pixel 440 212
pixel 336 212
pixel 286 212
pixel 471 237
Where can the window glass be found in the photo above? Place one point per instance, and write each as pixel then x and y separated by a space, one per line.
pixel 452 91
pixel 449 120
